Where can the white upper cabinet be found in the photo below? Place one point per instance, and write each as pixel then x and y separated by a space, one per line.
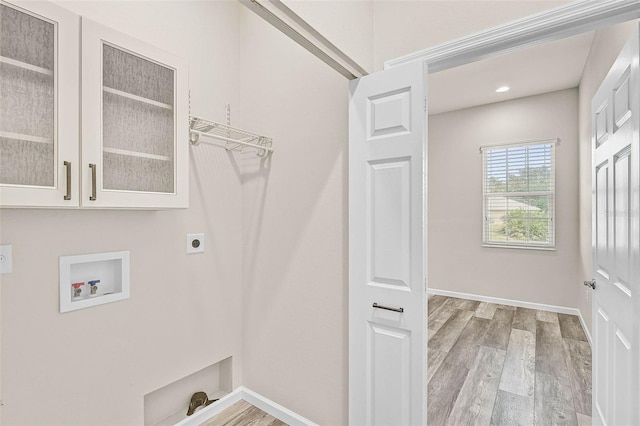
pixel 39 105
pixel 134 122
pixel 132 129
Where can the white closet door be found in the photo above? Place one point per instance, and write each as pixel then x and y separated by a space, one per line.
pixel 616 242
pixel 39 84
pixel 387 300
pixel 134 122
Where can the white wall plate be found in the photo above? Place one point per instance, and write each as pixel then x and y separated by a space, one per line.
pixel 195 243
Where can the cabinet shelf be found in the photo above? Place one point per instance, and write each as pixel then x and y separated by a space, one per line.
pixel 136 154
pixel 136 98
pixel 21 137
pixel 24 65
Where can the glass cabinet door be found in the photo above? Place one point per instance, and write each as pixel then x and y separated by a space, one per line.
pixel 135 101
pixel 27 93
pixel 138 123
pixel 30 91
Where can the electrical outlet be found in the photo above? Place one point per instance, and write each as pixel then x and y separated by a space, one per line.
pixel 6 259
pixel 195 243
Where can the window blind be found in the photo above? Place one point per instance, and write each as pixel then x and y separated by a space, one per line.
pixel 519 194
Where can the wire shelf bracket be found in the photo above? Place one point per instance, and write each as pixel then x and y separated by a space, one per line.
pixel 235 139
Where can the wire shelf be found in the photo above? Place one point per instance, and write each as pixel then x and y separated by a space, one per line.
pixel 235 139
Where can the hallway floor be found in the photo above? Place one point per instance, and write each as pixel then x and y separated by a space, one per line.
pixel 497 364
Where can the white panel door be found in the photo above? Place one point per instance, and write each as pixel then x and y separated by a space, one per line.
pixel 616 241
pixel 387 234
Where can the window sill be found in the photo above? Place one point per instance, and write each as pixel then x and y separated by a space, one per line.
pixel 518 247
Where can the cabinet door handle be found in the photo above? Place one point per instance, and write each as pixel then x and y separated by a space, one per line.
pixel 375 305
pixel 67 165
pixel 92 197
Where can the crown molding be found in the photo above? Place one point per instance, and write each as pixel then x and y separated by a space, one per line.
pixel 571 19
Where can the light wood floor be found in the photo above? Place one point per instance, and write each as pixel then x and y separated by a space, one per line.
pixel 490 364
pixel 242 414
pixel 496 364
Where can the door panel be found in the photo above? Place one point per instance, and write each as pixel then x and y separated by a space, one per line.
pixel 601 374
pixel 622 388
pixel 390 366
pixel 621 195
pixel 389 114
pixel 600 121
pixel 616 226
pixel 387 343
pixel 602 225
pixel 389 183
pixel 622 101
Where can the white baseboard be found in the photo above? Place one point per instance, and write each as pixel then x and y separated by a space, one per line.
pixel 276 410
pixel 257 400
pixel 584 327
pixel 517 303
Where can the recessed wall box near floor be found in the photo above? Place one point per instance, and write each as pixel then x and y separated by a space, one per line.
pixel 93 279
pixel 168 405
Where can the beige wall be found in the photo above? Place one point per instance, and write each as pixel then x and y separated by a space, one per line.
pixel 346 23
pixel 94 366
pixel 457 261
pixel 606 46
pixel 272 283
pixel 295 227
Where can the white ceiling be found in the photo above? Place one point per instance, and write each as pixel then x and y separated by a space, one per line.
pixel 546 68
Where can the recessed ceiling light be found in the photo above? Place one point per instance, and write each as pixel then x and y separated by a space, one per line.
pixel 502 89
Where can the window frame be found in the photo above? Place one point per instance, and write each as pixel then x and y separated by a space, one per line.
pixel 551 194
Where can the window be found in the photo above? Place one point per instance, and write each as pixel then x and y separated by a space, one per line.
pixel 519 195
